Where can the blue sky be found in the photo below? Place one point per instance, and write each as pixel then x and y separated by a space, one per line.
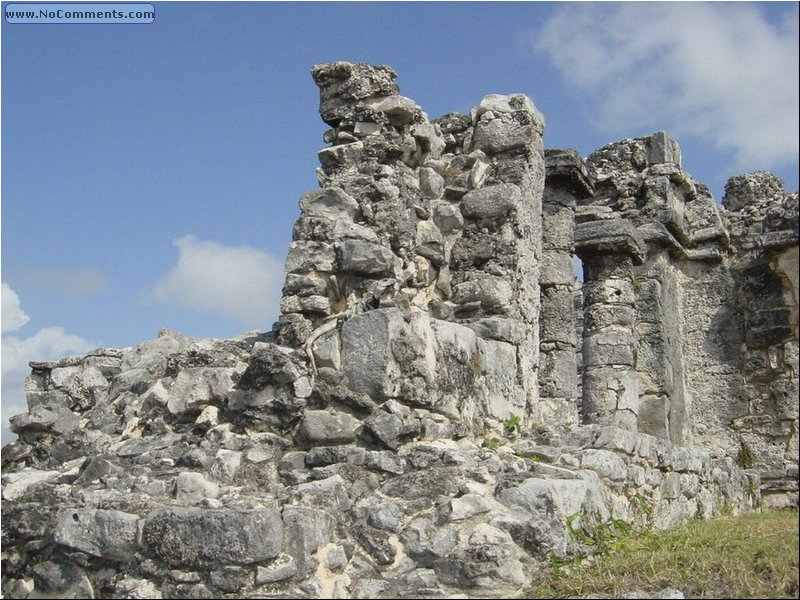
pixel 150 173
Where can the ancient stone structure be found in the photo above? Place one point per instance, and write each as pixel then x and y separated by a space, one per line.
pixel 425 419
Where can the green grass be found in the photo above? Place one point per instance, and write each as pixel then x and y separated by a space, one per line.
pixel 751 556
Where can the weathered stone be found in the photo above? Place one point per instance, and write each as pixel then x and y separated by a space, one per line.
pixel 363 257
pixel 61 579
pixel 306 530
pixel 467 506
pixel 283 567
pixel 366 351
pixel 491 202
pixel 320 427
pixel 431 184
pixel 196 537
pixel 342 83
pixel 107 534
pixel 15 485
pixel 192 487
pixel 310 256
pixel 330 203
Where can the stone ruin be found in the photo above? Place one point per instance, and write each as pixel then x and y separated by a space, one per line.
pixel 441 402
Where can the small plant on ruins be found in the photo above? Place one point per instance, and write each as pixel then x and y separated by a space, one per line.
pixel 512 424
pixel 640 504
pixel 490 443
pixel 746 459
pixel 601 536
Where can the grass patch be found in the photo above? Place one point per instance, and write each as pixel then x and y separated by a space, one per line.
pixel 750 556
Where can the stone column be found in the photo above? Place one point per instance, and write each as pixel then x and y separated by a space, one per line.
pixel 609 249
pixel 566 182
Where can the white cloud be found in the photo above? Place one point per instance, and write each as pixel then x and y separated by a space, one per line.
pixel 240 282
pixel 13 317
pixel 49 343
pixel 721 72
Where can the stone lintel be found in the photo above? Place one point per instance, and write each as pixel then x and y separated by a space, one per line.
pixel 566 169
pixel 612 236
pixel 780 239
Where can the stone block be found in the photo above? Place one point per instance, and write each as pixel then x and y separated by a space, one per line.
pixel 310 256
pixel 490 290
pixel 558 224
pixel 608 348
pixel 491 202
pixel 556 268
pixel 498 328
pixel 108 534
pixel 198 538
pixel 610 236
pixel 306 530
pixel 599 317
pixel 558 374
pixel 605 463
pixel 431 184
pixel 366 352
pixel 329 203
pixel 654 415
pixel 507 132
pixel 323 428
pixel 566 170
pixel 343 84
pixel 447 217
pixel 663 149
pixel 606 390
pixel 193 487
pixel 614 438
pixel 282 568
pixel 358 256
pixel 609 291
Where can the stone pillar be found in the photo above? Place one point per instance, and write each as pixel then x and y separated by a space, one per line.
pixel 609 249
pixel 566 182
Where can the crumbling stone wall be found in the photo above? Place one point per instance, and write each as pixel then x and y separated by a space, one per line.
pixel 369 445
pixel 446 216
pixel 764 233
pixel 712 304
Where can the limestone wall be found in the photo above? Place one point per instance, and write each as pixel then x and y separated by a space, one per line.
pixel 446 216
pixel 166 473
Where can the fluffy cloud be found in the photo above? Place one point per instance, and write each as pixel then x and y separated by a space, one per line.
pixel 13 317
pixel 49 343
pixel 240 282
pixel 721 72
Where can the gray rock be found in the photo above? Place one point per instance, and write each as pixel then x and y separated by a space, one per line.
pixel 491 202
pixel 431 184
pixel 329 203
pixel 330 492
pixel 306 530
pixel 467 506
pixel 107 534
pixel 16 484
pixel 226 464
pixel 133 587
pixel 193 487
pixel 320 427
pixel 58 579
pixel 368 258
pixel 231 579
pixel 196 537
pixel 283 567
